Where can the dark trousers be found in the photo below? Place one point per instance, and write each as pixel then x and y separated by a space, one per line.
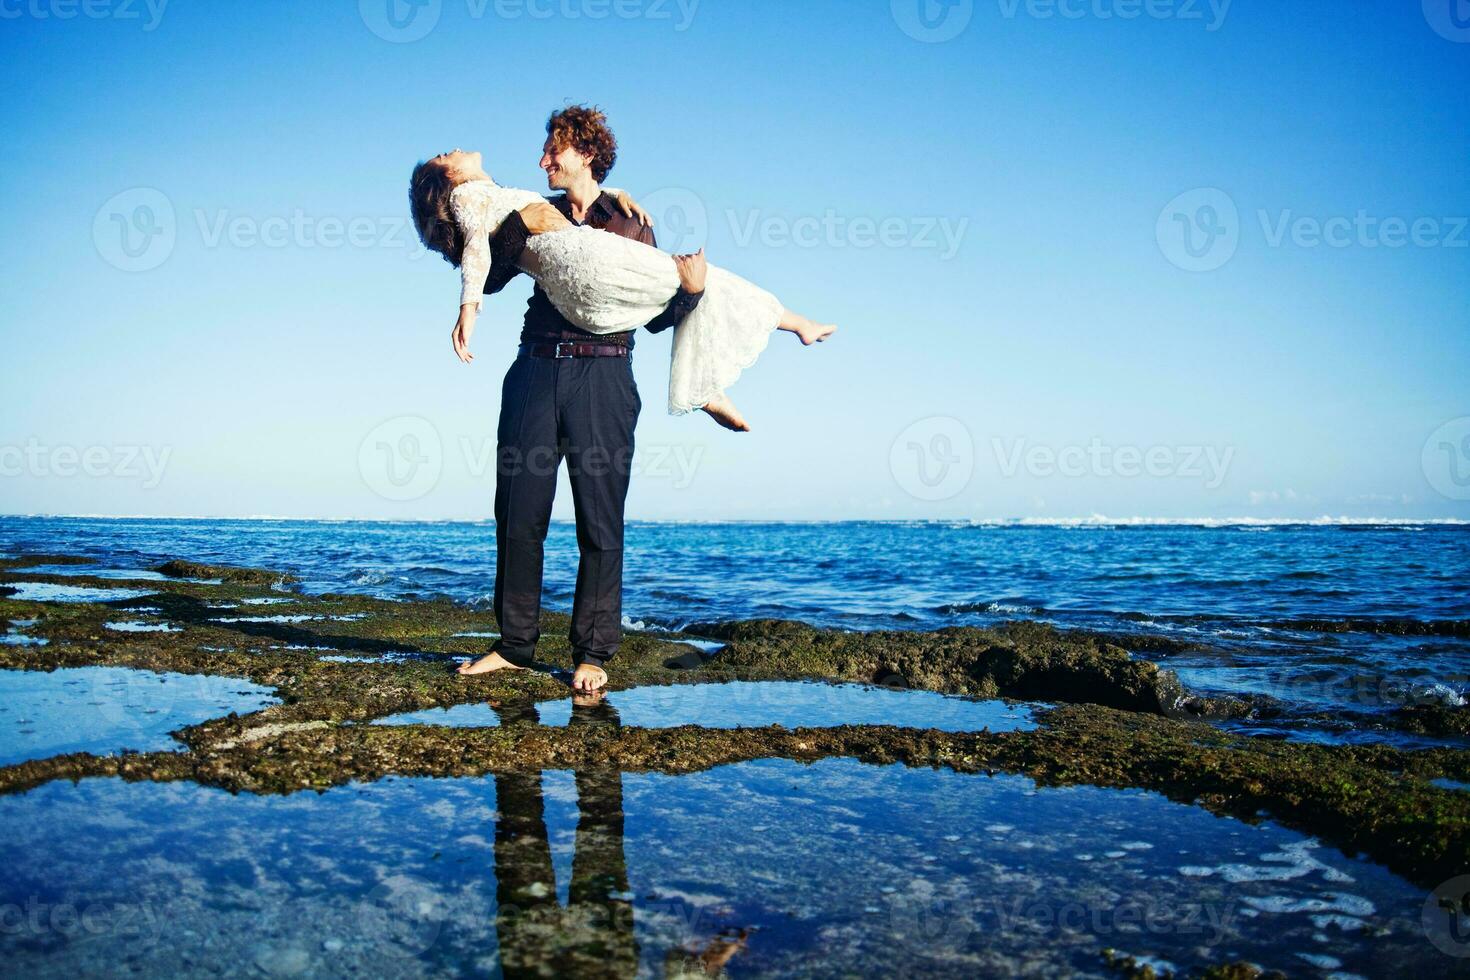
pixel 583 410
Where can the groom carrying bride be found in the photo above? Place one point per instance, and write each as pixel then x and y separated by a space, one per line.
pixel 569 394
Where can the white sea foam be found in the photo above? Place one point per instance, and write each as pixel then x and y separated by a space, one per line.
pixel 1353 905
pixel 1292 861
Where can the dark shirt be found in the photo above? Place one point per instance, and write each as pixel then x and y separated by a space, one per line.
pixel 544 324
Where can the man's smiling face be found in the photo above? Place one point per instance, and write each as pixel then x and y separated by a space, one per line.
pixel 563 167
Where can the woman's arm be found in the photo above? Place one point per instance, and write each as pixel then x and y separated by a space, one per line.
pixel 474 268
pixel 474 262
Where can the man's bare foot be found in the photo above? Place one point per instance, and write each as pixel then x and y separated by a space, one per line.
pixel 588 678
pixel 814 333
pixel 486 664
pixel 723 411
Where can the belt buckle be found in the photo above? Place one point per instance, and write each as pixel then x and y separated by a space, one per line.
pixel 559 355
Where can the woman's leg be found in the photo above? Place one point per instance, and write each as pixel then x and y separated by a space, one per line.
pixel 723 411
pixel 808 330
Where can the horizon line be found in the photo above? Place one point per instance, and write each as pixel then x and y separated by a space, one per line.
pixel 1325 520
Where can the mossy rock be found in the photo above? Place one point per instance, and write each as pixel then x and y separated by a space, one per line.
pixel 234 575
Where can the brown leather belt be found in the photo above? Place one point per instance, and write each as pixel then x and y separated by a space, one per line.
pixel 574 349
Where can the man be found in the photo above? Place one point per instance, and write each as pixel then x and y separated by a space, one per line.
pixel 569 394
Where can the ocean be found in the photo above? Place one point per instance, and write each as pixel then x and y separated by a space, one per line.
pixel 1322 627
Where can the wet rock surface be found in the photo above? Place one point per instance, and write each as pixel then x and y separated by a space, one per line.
pixel 1114 721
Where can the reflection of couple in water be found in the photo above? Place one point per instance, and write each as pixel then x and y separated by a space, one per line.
pixel 592 936
pixel 569 394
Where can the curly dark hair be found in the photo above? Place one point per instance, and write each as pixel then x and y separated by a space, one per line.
pixel 428 201
pixel 585 129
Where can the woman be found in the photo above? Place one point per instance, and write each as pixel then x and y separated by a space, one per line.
pixel 602 283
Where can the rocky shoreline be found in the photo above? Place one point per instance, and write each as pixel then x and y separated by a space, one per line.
pixel 1112 721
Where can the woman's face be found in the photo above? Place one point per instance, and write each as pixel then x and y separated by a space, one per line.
pixel 460 165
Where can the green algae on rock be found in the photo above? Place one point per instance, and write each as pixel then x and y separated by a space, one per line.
pixel 1030 661
pixel 178 568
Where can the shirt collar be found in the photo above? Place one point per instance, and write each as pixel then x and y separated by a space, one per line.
pixel 605 207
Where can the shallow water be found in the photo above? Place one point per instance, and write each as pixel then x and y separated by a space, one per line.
pixel 1305 618
pixel 830 868
pixel 111 709
pixel 138 626
pixel 752 704
pixel 46 592
pixel 94 571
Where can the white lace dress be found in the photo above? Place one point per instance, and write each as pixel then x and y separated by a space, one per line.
pixel 606 283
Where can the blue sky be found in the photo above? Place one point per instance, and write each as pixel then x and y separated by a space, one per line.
pixel 991 200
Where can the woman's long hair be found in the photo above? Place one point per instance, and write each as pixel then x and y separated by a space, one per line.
pixel 428 200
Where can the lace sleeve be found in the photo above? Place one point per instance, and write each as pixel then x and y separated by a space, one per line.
pixel 481 207
pixel 469 207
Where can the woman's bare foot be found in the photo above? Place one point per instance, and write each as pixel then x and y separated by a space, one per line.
pixel 809 330
pixel 723 411
pixel 486 664
pixel 814 333
pixel 588 678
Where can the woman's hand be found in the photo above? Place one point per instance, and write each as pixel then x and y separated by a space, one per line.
pixel 464 329
pixel 631 209
pixel 692 269
pixel 543 217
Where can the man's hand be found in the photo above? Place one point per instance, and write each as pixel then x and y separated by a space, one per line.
pixel 692 269
pixel 632 210
pixel 543 217
pixel 464 329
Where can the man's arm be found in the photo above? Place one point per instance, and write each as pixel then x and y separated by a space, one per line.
pixel 505 249
pixel 684 301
